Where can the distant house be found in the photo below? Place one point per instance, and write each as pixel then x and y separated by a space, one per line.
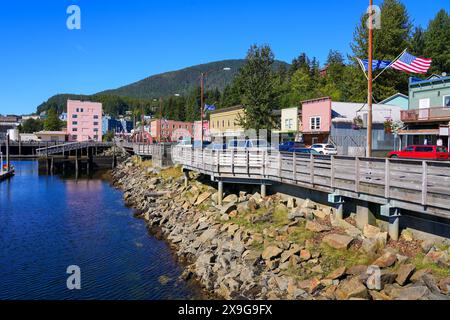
pixel 398 99
pixel 224 122
pixel 428 118
pixel 110 124
pixel 345 124
pixel 170 131
pixel 63 116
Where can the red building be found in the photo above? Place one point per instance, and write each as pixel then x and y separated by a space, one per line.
pixel 170 131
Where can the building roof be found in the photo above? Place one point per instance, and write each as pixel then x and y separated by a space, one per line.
pixel 417 82
pixel 397 95
pixel 53 133
pixel 350 110
pixel 234 108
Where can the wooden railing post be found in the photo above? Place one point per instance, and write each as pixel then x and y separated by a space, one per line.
pixel 311 161
pixel 232 162
pixel 357 174
pixel 280 166
pixel 387 179
pixel 424 183
pixel 218 162
pixel 248 162
pixel 294 166
pixel 263 164
pixel 333 173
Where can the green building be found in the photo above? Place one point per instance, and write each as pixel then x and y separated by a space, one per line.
pixel 427 119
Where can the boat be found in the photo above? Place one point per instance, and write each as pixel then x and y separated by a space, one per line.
pixel 6 173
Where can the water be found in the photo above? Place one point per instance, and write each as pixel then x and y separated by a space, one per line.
pixel 48 224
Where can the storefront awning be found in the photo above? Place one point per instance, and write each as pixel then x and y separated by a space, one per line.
pixel 422 132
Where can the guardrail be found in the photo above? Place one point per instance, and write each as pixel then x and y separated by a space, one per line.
pixel 422 186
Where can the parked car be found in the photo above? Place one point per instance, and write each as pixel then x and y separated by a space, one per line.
pixel 289 145
pixel 216 146
pixel 256 144
pixel 325 149
pixel 421 152
pixel 305 151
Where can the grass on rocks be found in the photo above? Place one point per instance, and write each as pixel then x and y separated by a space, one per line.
pixel 335 258
pixel 172 172
pixel 441 272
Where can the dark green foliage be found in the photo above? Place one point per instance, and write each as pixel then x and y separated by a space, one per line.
pixel 259 93
pixel 31 126
pixel 52 123
pixel 437 42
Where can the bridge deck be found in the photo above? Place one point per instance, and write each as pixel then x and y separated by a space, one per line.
pixel 421 186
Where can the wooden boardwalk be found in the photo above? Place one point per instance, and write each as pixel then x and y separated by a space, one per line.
pixel 420 186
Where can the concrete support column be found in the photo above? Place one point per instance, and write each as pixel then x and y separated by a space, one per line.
pixel 220 194
pixel 340 211
pixel 394 227
pixel 364 215
pixel 186 178
pixel 263 190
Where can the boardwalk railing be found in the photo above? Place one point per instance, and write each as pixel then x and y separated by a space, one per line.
pixel 61 148
pixel 143 149
pixel 422 186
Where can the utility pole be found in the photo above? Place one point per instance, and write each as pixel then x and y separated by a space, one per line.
pixel 161 118
pixel 142 123
pixel 7 153
pixel 202 104
pixel 370 83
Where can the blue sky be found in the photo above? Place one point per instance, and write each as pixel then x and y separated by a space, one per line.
pixel 124 41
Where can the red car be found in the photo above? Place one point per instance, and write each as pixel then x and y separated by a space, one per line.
pixel 421 152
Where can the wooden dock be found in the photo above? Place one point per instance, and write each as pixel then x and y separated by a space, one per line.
pixel 419 186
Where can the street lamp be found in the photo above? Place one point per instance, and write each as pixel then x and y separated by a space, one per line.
pixel 202 96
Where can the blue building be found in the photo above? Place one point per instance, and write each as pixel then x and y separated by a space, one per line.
pixel 399 99
pixel 116 125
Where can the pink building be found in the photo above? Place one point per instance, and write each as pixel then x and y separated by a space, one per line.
pixel 84 120
pixel 170 131
pixel 316 120
pixel 198 131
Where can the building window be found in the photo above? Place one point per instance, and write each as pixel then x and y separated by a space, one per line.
pixel 95 130
pixel 95 137
pixel 81 110
pixel 223 123
pixel 95 123
pixel 218 124
pixel 315 123
pixel 212 124
pixel 77 110
pixel 74 129
pixel 228 123
pixel 75 136
pixel 75 123
pixel 96 117
pixel 288 123
pixel 75 116
pixel 447 101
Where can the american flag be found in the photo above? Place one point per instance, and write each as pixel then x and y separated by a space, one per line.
pixel 409 63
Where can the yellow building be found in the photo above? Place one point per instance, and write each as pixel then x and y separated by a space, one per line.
pixel 224 122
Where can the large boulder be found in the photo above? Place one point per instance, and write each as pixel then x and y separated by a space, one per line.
pixel 444 285
pixel 271 252
pixel 371 231
pixel 316 227
pixel 337 274
pixel 202 198
pixel 386 260
pixel 232 198
pixel 228 208
pixel 404 273
pixel 409 293
pixel 338 241
pixel 351 288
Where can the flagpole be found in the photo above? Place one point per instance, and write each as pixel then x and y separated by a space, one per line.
pixel 370 83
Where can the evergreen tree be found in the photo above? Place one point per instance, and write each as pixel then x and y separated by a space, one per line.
pixel 418 42
pixel 389 41
pixel 52 123
pixel 260 96
pixel 437 42
pixel 31 126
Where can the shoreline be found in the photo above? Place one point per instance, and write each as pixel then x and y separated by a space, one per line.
pixel 274 248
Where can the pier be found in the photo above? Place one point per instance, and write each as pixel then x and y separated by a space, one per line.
pixel 373 186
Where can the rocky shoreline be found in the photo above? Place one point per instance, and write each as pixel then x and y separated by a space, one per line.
pixel 279 247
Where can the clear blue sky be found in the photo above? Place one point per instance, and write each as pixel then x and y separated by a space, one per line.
pixel 124 41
